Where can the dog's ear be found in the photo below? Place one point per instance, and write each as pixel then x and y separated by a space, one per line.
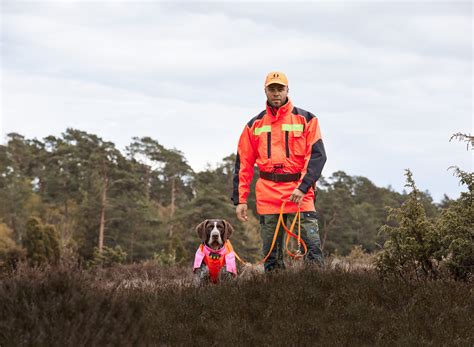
pixel 228 230
pixel 201 230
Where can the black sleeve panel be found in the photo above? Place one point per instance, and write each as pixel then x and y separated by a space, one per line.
pixel 315 166
pixel 257 117
pixel 235 193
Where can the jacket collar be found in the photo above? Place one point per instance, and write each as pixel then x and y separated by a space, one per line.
pixel 280 111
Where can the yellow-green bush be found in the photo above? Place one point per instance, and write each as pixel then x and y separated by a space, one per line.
pixel 10 251
pixel 41 242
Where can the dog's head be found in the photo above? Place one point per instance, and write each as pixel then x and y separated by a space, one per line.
pixel 214 232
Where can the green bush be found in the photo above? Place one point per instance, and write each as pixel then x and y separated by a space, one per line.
pixel 10 252
pixel 165 258
pixel 108 257
pixel 456 228
pixel 41 242
pixel 413 246
pixel 417 246
pixel 173 254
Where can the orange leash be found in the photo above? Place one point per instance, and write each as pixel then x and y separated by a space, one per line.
pixel 289 232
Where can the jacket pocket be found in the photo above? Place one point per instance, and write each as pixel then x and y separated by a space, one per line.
pixel 261 144
pixel 264 141
pixel 297 143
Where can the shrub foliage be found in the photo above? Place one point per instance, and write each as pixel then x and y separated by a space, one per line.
pixel 41 242
pixel 10 252
pixel 108 257
pixel 420 247
pixel 142 305
pixel 412 249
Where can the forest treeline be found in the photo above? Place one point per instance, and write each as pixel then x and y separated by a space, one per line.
pixel 79 196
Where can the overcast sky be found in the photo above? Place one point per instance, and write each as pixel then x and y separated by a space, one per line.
pixel 389 81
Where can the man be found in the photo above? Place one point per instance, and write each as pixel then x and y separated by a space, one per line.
pixel 285 143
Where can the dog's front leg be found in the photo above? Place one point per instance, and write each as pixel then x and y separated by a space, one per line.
pixel 201 275
pixel 225 275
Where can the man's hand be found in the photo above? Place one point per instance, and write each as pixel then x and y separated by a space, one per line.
pixel 297 196
pixel 241 211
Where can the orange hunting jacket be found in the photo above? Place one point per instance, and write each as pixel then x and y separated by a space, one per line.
pixel 283 140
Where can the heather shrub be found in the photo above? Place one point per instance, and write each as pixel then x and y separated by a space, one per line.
pixel 358 257
pixel 357 253
pixel 145 305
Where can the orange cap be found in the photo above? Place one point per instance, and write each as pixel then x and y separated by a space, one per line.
pixel 276 77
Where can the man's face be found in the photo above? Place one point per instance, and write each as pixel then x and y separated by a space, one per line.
pixel 276 94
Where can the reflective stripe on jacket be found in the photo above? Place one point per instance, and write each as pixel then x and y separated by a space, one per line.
pixel 283 140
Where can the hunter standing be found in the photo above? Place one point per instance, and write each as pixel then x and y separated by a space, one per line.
pixel 285 143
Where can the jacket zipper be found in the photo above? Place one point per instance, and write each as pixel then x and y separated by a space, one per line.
pixel 269 144
pixel 287 146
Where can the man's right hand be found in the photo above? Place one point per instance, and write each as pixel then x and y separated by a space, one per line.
pixel 241 211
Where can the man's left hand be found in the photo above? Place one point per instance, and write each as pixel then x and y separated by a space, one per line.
pixel 297 196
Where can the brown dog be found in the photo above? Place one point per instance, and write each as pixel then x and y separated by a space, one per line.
pixel 214 258
pixel 214 232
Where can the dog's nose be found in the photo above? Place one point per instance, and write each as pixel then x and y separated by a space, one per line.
pixel 215 236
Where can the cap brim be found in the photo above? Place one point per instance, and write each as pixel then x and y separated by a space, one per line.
pixel 276 82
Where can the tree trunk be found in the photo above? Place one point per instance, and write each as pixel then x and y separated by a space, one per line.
pixel 147 182
pixel 132 243
pixel 102 214
pixel 326 230
pixel 65 233
pixel 173 195
pixel 14 228
pixel 41 185
pixel 66 214
pixel 173 204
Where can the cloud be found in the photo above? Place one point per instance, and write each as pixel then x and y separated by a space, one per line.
pixel 390 82
pixel 201 130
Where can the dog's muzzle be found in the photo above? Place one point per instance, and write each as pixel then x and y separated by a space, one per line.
pixel 215 235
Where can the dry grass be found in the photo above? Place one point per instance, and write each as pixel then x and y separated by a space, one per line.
pixel 151 305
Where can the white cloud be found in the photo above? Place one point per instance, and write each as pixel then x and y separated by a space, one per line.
pixel 201 130
pixel 390 82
